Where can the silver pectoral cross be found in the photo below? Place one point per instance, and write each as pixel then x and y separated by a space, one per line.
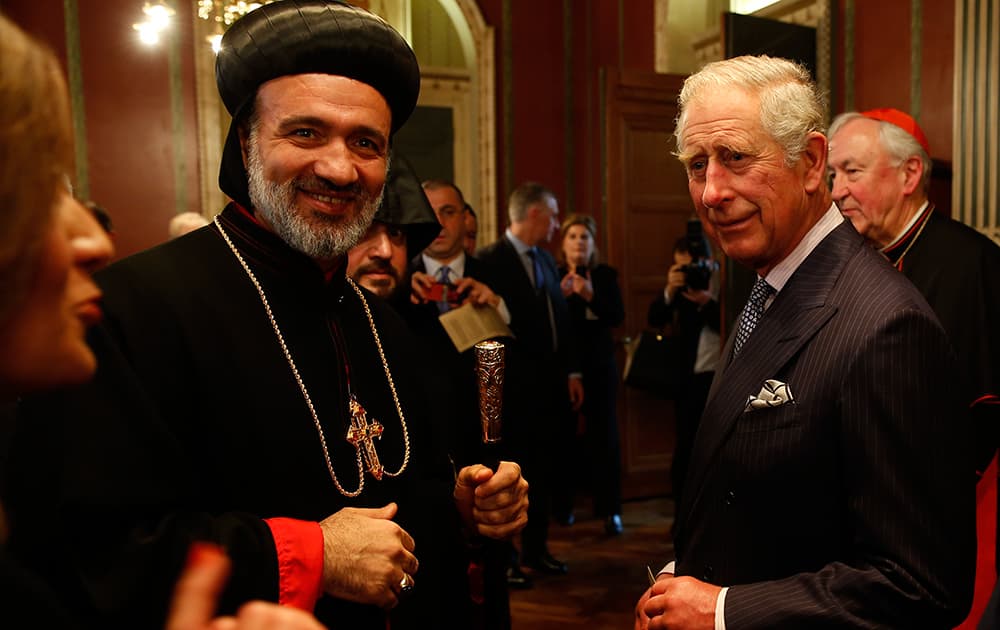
pixel 362 436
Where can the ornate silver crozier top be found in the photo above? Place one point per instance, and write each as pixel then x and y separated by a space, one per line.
pixel 489 373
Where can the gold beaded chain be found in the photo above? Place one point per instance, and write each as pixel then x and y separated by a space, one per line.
pixel 302 386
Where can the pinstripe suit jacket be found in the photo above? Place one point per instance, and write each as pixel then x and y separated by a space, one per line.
pixel 853 506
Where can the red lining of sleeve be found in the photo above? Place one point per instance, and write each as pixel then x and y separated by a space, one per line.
pixel 300 561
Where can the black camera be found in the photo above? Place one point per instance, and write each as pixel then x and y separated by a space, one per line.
pixel 698 274
pixel 697 246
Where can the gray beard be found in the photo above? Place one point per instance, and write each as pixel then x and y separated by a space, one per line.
pixel 317 235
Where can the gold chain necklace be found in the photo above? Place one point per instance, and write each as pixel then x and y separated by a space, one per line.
pixel 361 434
pixel 924 221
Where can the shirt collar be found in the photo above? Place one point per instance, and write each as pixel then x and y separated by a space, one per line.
pixel 781 272
pixel 456 265
pixel 519 245
pixel 906 228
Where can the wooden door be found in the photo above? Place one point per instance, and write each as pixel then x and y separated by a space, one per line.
pixel 646 211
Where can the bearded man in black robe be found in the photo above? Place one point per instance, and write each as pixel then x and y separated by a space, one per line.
pixel 249 393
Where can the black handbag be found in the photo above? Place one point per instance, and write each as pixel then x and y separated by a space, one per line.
pixel 653 364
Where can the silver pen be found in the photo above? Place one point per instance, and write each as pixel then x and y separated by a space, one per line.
pixel 652 578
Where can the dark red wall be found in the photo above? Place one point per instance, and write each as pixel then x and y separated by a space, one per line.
pixel 882 66
pixel 129 126
pixel 538 111
pixel 538 93
pixel 937 70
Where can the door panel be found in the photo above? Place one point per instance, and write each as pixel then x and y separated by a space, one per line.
pixel 647 210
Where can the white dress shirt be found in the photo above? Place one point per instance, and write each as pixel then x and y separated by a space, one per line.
pixel 456 270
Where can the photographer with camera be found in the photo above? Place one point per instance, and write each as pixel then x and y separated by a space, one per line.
pixel 690 305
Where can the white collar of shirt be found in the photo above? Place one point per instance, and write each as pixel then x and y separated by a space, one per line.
pixel 519 245
pixel 784 270
pixel 906 228
pixel 456 266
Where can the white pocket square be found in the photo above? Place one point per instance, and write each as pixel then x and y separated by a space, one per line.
pixel 772 394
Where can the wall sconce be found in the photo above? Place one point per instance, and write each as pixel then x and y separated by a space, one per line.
pixel 158 19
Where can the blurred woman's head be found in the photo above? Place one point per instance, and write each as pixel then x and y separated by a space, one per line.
pixel 48 242
pixel 578 232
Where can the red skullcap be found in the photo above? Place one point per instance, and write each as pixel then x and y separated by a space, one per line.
pixel 902 120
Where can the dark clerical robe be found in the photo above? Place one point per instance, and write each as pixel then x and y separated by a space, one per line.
pixel 196 429
pixel 957 270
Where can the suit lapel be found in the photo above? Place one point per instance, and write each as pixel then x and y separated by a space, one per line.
pixel 550 273
pixel 515 260
pixel 798 312
pixel 472 269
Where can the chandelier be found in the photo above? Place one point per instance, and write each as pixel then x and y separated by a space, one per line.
pixel 222 14
pixel 158 18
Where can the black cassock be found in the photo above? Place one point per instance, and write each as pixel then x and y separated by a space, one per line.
pixel 195 429
pixel 957 270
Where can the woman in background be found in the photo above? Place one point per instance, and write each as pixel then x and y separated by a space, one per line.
pixel 49 245
pixel 595 307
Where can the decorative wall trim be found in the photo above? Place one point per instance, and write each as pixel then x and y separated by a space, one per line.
pixel 621 34
pixel 399 13
pixel 177 122
pixel 661 34
pixel 212 119
pixel 976 163
pixel 849 56
pixel 479 127
pixel 916 55
pixel 602 104
pixel 592 120
pixel 451 88
pixel 508 98
pixel 74 72
pixel 569 153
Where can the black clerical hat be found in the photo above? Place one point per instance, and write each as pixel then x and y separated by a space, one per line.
pixel 308 36
pixel 404 204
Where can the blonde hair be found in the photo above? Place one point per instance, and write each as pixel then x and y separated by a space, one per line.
pixel 791 106
pixel 35 156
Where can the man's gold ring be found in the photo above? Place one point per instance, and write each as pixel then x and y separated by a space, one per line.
pixel 406 584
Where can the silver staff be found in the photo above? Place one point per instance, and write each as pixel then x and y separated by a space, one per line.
pixel 489 373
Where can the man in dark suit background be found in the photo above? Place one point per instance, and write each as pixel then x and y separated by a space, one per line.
pixel 540 382
pixel 444 262
pixel 831 482
pixel 453 384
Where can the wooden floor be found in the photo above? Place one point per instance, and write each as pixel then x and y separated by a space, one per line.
pixel 607 575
